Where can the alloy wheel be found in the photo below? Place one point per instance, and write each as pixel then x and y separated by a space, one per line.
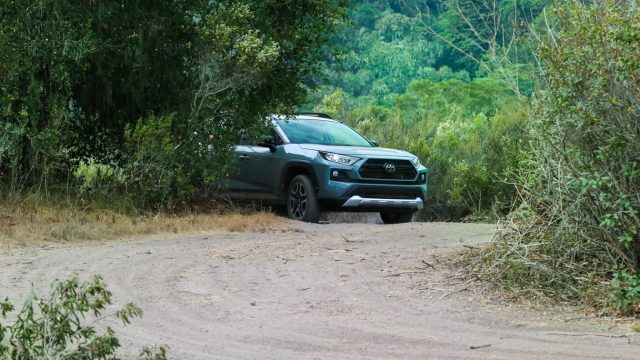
pixel 298 200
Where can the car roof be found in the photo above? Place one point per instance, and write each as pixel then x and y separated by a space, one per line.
pixel 302 117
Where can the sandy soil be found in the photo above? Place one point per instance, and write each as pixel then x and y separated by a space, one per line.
pixel 338 291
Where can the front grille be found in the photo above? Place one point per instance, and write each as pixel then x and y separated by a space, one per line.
pixel 375 169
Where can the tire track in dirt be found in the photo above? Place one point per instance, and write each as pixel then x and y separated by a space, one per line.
pixel 339 291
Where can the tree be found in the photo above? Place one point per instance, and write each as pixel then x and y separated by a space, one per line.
pixel 76 77
pixel 489 36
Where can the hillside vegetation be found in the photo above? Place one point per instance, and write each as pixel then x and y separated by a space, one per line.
pixel 446 80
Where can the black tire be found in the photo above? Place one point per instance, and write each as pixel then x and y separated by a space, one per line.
pixel 397 217
pixel 302 203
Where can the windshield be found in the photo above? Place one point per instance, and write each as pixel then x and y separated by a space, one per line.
pixel 321 132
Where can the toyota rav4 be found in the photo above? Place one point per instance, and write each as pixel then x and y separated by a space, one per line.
pixel 312 163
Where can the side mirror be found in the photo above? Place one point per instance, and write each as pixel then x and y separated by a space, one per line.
pixel 269 142
pixel 374 143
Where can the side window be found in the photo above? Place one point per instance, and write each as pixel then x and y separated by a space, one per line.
pixel 248 139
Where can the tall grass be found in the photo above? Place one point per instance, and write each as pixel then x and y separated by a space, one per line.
pixel 33 219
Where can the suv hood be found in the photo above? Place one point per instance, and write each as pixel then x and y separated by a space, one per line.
pixel 359 151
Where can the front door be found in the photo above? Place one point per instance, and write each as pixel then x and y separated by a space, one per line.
pixel 258 170
pixel 242 178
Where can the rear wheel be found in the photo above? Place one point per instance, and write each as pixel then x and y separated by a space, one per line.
pixel 397 217
pixel 302 203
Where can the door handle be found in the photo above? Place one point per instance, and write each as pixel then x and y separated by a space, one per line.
pixel 244 157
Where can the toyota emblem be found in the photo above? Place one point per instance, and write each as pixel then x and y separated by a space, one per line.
pixel 389 168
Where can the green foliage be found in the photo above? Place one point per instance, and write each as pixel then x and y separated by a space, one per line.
pixel 473 31
pixel 579 182
pixel 383 50
pixel 71 71
pixel 333 104
pixel 77 77
pixel 56 327
pixel 389 44
pixel 434 99
pixel 11 153
pixel 93 175
pixel 628 294
pixel 169 163
pixel 469 135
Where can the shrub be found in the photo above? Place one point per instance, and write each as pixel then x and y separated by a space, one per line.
pixel 10 153
pixel 579 223
pixel 56 327
pixel 627 295
pixel 171 162
pixel 94 175
pixel 469 155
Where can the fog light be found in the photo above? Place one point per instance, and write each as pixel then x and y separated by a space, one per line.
pixel 335 173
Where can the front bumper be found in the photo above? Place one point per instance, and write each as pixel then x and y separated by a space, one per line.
pixel 350 192
pixel 357 201
pixel 372 198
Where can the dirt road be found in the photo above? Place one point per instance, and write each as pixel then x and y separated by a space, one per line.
pixel 339 291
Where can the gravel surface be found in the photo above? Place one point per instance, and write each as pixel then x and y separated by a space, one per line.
pixel 334 291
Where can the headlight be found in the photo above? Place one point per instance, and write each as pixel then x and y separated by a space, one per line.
pixel 340 159
pixel 416 162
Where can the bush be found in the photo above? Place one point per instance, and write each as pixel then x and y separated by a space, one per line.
pixel 94 175
pixel 469 159
pixel 468 149
pixel 579 223
pixel 56 327
pixel 171 164
pixel 627 295
pixel 10 154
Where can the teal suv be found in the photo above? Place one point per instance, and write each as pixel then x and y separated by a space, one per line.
pixel 312 163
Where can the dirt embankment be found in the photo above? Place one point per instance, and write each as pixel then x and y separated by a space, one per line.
pixel 338 291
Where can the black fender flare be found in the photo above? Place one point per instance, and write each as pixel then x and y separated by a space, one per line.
pixel 296 164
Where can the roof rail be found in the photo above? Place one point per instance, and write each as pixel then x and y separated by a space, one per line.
pixel 317 114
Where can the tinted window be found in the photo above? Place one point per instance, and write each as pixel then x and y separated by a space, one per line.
pixel 247 140
pixel 321 132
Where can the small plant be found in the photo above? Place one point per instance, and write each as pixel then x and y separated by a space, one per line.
pixel 628 294
pixel 93 174
pixel 57 327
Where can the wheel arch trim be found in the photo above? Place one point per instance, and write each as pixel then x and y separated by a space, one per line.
pixel 289 172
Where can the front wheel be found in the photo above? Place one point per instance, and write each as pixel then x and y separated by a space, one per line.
pixel 397 217
pixel 302 203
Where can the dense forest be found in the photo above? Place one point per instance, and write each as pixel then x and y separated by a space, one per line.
pixel 525 111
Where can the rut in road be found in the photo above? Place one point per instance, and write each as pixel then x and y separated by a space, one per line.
pixel 337 291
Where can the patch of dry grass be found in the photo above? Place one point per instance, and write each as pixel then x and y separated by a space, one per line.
pixel 23 225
